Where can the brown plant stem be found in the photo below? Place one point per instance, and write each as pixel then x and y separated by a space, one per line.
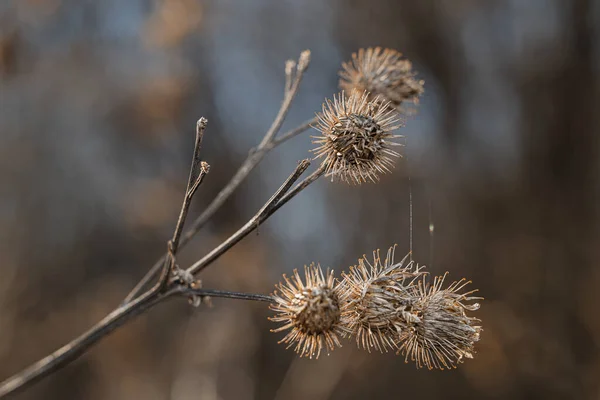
pixel 159 292
pixel 255 156
pixel 112 321
pixel 299 187
pixel 193 182
pixel 198 171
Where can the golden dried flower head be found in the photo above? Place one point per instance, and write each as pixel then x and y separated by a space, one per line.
pixel 440 333
pixel 310 310
pixel 384 73
pixel 379 300
pixel 356 139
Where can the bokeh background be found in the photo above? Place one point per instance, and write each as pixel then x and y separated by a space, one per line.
pixel 98 103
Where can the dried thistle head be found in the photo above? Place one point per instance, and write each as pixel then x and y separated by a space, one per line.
pixel 392 306
pixel 310 310
pixel 440 334
pixel 356 138
pixel 384 73
pixel 379 298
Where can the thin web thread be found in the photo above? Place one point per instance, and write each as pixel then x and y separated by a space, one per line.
pixel 431 234
pixel 410 216
pixel 410 202
pixel 410 213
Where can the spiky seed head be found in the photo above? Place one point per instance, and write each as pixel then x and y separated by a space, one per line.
pixel 356 137
pixel 384 73
pixel 379 300
pixel 392 306
pixel 310 310
pixel 440 334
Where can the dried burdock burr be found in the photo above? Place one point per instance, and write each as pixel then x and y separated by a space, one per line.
pixel 393 306
pixel 356 137
pixel 383 73
pixel 440 334
pixel 379 300
pixel 310 310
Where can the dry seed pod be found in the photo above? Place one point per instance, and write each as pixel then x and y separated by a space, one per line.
pixel 356 137
pixel 310 310
pixel 441 333
pixel 383 73
pixel 379 300
pixel 393 306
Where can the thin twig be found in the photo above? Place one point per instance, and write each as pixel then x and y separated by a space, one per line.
pixel 227 294
pixel 266 211
pixel 194 181
pixel 255 156
pixel 292 133
pixel 303 62
pixel 298 188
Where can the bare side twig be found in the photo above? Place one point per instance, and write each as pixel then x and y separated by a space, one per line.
pixel 194 180
pixel 291 133
pixel 198 170
pixel 226 294
pixel 255 156
pixel 298 188
pixel 258 218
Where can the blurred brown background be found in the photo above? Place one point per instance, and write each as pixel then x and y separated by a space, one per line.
pixel 98 103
